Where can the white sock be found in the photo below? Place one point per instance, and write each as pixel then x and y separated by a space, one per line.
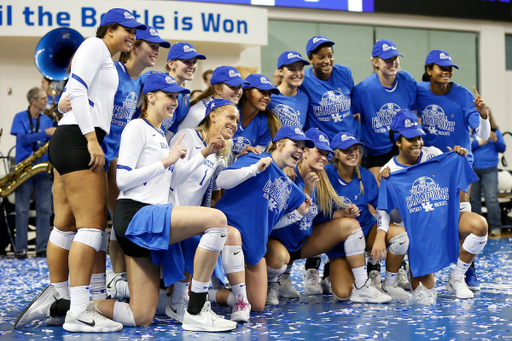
pixel 98 286
pixel 122 289
pixel 288 269
pixel 62 289
pixel 240 292
pixel 273 280
pixel 79 296
pixel 360 276
pixel 123 314
pixel 232 300
pixel 180 290
pixel 391 278
pixel 199 287
pixel 212 295
pixel 460 269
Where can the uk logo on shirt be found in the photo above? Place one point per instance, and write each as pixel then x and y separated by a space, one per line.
pixel 426 195
pixel 287 115
pixel 435 121
pixel 334 106
pixel 277 193
pixel 240 143
pixel 307 220
pixel 384 117
pixel 122 114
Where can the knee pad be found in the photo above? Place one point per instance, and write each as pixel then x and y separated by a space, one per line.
pixel 474 244
pixel 123 314
pixel 104 241
pixel 232 257
pixel 90 237
pixel 213 239
pixel 355 243
pixel 398 245
pixel 465 207
pixel 113 235
pixel 271 272
pixel 62 239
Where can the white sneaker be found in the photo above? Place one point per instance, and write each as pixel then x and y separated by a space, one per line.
pixel 286 288
pixel 177 311
pixel 39 308
pixel 112 279
pixel 396 292
pixel 326 285
pixel 272 294
pixel 375 278
pixel 403 279
pixel 422 295
pixel 311 282
pixel 206 321
pixel 241 311
pixel 459 287
pixel 90 321
pixel 368 294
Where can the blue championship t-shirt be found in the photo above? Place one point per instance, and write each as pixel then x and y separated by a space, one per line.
pixel 257 204
pixel 27 140
pixel 378 105
pixel 446 119
pixel 427 196
pixel 125 104
pixel 257 133
pixel 329 101
pixel 291 110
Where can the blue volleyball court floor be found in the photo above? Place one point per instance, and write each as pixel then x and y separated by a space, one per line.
pixel 486 317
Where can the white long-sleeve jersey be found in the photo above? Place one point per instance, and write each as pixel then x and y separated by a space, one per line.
pixel 141 175
pixel 195 114
pixel 91 87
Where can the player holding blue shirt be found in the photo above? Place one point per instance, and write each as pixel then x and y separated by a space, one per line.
pixel 291 106
pixel 329 88
pixel 378 98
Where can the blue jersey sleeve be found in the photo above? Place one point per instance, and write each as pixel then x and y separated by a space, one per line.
pixel 371 188
pixel 468 176
pixel 264 137
pixel 385 201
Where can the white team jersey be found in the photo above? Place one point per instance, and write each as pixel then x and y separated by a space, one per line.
pixel 427 153
pixel 141 175
pixel 91 87
pixel 191 176
pixel 195 114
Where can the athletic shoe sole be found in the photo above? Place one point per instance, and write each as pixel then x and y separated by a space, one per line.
pixel 77 328
pixel 201 328
pixel 43 295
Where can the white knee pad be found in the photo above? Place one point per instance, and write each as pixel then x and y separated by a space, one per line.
pixel 271 272
pixel 213 239
pixel 104 241
pixel 398 245
pixel 62 239
pixel 113 235
pixel 355 243
pixel 465 207
pixel 232 259
pixel 89 237
pixel 123 314
pixel 474 244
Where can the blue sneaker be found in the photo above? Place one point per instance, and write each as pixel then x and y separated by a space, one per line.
pixel 472 280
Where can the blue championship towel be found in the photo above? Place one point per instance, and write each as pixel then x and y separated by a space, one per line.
pixel 427 196
pixel 257 204
pixel 150 228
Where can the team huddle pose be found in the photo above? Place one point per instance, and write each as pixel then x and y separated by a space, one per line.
pixel 249 177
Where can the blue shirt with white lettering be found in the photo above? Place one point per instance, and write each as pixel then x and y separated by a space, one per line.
pixel 257 133
pixel 27 140
pixel 329 101
pixel 291 110
pixel 446 119
pixel 427 196
pixel 378 105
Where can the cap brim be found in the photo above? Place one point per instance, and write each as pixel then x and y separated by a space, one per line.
pixel 412 132
pixel 447 64
pixel 389 54
pixel 234 82
pixel 176 88
pixel 133 24
pixel 163 43
pixel 270 88
pixel 305 62
pixel 323 146
pixel 309 142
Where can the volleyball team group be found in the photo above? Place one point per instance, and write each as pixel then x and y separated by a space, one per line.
pixel 242 181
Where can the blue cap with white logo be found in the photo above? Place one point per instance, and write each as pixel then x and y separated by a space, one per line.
pixel 316 41
pixel 441 58
pixel 293 133
pixel 227 74
pixel 406 123
pixel 344 140
pixel 214 104
pixel 320 139
pixel 290 57
pixel 163 82
pixel 151 35
pixel 183 51
pixel 122 17
pixel 260 82
pixel 385 49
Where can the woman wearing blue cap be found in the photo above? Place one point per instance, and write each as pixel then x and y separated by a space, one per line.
pixel 258 181
pixel 291 105
pixel 449 110
pixel 408 136
pixel 225 83
pixel 80 183
pixel 329 87
pixel 258 125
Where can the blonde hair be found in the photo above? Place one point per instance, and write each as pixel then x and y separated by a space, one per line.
pixel 224 153
pixel 210 91
pixel 357 171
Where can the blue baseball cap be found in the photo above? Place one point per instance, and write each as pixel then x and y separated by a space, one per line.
pixel 439 57
pixel 227 74
pixel 385 49
pixel 293 133
pixel 151 34
pixel 344 140
pixel 290 57
pixel 164 82
pixel 183 51
pixel 260 82
pixel 214 104
pixel 320 139
pixel 406 123
pixel 122 17
pixel 316 41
